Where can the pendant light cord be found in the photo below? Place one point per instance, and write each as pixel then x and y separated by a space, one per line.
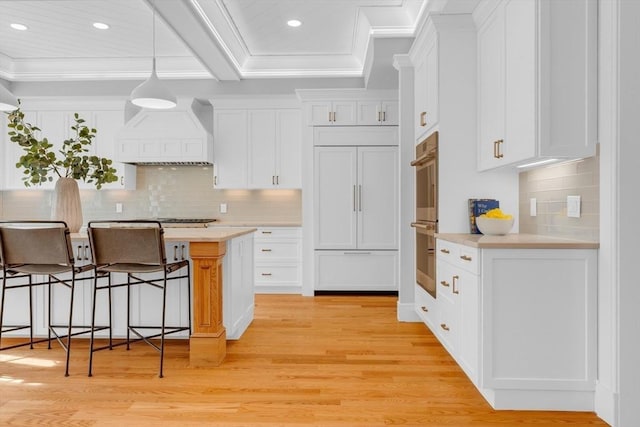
pixel 153 26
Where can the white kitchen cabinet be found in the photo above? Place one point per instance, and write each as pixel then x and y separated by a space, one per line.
pixel 371 113
pixel 331 113
pixel 108 123
pixel 278 260
pixel 356 201
pixel 520 322
pixel 238 286
pixel 426 83
pixel 230 148
pixel 274 148
pixel 536 99
pixel 356 270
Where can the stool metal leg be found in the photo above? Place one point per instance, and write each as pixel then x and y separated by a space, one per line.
pixel 49 298
pixel 30 288
pixel 69 326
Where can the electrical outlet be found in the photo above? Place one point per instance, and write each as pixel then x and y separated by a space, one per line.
pixel 118 207
pixel 573 206
pixel 223 208
pixel 533 207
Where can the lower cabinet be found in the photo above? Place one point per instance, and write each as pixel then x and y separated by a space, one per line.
pixel 278 260
pixel 356 270
pixel 521 323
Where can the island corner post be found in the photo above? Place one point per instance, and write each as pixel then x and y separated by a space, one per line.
pixel 208 341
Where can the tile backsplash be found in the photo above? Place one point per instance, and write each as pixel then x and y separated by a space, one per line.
pixel 550 186
pixel 183 191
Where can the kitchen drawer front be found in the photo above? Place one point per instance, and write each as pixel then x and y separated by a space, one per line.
pixel 277 273
pixel 447 327
pixel 277 251
pixel 269 233
pixel 465 257
pixel 356 270
pixel 426 307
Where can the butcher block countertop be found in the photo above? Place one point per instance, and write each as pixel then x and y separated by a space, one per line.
pixel 211 234
pixel 517 241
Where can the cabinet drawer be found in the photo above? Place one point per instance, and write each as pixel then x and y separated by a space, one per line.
pixel 447 324
pixel 268 233
pixel 465 257
pixel 277 273
pixel 272 251
pixel 426 306
pixel 356 270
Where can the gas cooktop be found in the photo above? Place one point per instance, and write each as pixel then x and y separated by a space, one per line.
pixel 186 222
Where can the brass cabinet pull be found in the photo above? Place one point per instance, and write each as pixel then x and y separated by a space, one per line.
pixel 175 252
pixel 266 250
pixel 330 116
pixel 79 252
pixel 122 180
pixel 445 251
pixel 360 198
pixel 496 149
pixel 423 118
pixel 425 309
pixel 384 116
pixel 277 179
pixel 465 258
pixel 273 180
pixel 444 283
pixel 354 198
pixel 266 232
pixel 444 326
pixel 215 180
pixel 182 255
pixel 266 274
pixel 379 116
pixel 86 252
pixel 455 280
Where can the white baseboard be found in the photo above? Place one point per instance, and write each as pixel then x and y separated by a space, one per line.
pixel 606 404
pixel 407 313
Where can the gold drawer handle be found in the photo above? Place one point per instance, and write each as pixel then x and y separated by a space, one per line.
pixel 445 251
pixel 465 258
pixel 444 283
pixel 266 274
pixel 455 280
pixel 425 309
pixel 444 326
pixel 266 250
pixel 423 119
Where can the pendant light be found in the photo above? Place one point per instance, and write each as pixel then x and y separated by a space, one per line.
pixel 8 102
pixel 152 93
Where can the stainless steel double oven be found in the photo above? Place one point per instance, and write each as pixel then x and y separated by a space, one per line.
pixel 426 223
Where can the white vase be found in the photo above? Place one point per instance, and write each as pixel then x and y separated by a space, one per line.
pixel 66 204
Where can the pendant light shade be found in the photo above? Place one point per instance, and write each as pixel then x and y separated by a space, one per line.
pixel 152 93
pixel 8 102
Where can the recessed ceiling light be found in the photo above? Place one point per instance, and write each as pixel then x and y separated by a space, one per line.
pixel 100 25
pixel 20 27
pixel 294 23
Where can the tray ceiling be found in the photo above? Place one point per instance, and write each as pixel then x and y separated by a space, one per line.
pixel 219 39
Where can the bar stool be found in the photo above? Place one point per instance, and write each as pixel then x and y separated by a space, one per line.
pixel 29 248
pixel 137 249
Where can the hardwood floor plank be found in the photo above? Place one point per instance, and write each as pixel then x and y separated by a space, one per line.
pixel 333 361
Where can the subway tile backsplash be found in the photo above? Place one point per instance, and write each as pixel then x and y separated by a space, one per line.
pixel 165 192
pixel 550 186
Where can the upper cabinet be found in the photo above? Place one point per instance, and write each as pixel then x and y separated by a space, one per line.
pixel 327 113
pixel 536 99
pixel 425 60
pixel 356 109
pixel 257 148
pixel 373 113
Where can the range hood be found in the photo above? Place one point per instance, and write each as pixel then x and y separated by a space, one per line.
pixel 180 136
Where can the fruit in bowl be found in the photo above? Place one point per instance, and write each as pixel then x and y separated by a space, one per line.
pixel 494 222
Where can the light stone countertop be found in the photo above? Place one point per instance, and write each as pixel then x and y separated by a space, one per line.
pixel 517 241
pixel 222 223
pixel 211 234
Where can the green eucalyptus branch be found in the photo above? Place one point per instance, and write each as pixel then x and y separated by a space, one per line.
pixel 40 162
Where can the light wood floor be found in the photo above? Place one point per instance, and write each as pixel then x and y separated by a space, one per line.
pixel 324 361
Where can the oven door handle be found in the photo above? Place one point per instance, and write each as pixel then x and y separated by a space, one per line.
pixel 418 225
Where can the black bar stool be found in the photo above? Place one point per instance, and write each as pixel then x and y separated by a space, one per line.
pixel 29 248
pixel 137 249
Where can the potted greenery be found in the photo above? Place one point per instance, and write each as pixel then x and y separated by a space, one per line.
pixel 42 163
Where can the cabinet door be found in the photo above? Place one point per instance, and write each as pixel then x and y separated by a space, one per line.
pixel 491 81
pixel 319 113
pixel 390 113
pixel 230 148
pixel 262 148
pixel 108 123
pixel 465 295
pixel 335 197
pixel 369 112
pixel 377 198
pixel 431 89
pixel 288 149
pixel 344 113
pixel 520 102
pixel 420 100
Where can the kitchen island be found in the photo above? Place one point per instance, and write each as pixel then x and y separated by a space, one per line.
pixel 206 249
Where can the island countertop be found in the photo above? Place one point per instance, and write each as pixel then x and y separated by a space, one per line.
pixel 517 241
pixel 211 234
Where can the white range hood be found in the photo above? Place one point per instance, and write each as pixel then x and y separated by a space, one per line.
pixel 180 136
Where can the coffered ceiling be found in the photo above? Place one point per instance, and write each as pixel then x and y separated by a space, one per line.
pixel 202 39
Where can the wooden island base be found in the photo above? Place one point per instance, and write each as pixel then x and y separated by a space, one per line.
pixel 208 342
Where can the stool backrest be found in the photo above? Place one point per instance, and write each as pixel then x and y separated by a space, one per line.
pixel 31 242
pixel 116 242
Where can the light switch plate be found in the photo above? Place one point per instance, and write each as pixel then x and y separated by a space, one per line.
pixel 533 207
pixel 223 208
pixel 118 207
pixel 573 206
